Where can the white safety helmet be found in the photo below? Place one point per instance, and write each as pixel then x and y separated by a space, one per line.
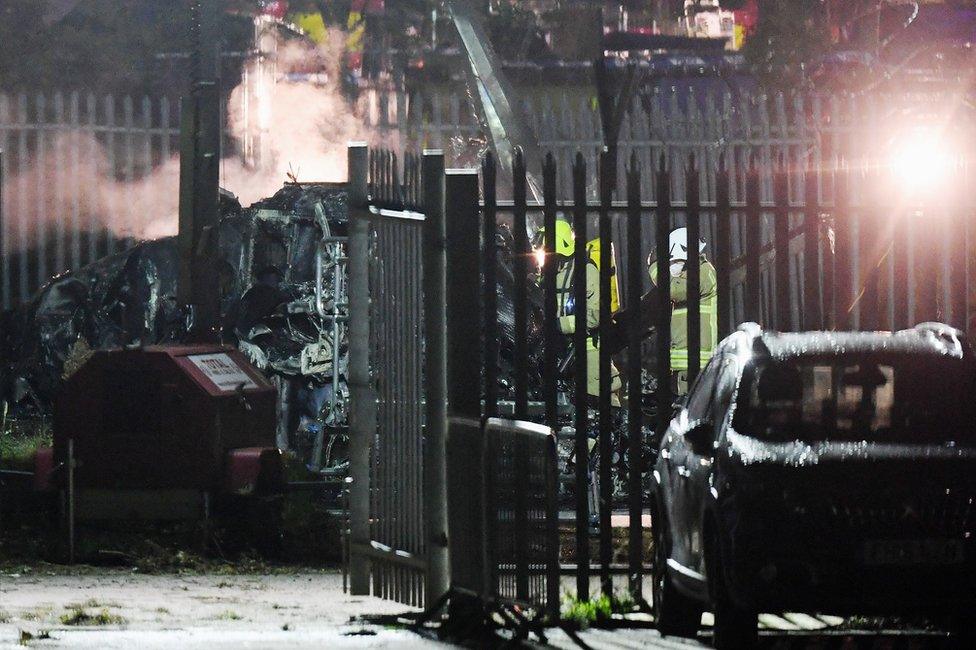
pixel 678 245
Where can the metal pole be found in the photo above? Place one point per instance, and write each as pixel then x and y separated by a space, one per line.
pixel 663 277
pixel 200 176
pixel 813 305
pixel 582 422
pixel 635 392
pixel 606 181
pixel 753 247
pixel 551 324
pixel 723 248
pixel 435 342
pixel 521 268
pixel 362 416
pixel 5 297
pixel 71 501
pixel 781 246
pixel 843 284
pixel 490 270
pixel 694 270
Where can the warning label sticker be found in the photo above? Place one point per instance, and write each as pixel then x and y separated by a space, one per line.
pixel 223 372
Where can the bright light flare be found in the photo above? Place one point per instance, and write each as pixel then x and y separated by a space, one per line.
pixel 921 163
pixel 540 257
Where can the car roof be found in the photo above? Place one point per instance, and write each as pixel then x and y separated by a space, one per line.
pixel 927 340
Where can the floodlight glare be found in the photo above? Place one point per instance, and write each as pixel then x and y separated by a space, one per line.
pixel 921 162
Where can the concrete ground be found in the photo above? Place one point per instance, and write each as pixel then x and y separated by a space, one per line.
pixel 307 609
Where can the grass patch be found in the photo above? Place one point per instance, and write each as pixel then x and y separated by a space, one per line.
pixel 19 440
pixel 4 617
pixel 229 615
pixel 596 612
pixel 81 617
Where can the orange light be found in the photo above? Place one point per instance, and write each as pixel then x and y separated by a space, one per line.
pixel 540 257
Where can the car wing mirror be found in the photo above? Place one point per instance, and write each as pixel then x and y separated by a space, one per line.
pixel 700 436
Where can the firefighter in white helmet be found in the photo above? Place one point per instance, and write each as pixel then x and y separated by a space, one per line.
pixel 678 247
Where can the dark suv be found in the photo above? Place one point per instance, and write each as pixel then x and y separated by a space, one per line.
pixel 819 472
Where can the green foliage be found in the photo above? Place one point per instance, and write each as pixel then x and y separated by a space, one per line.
pixel 789 35
pixel 583 614
pixel 19 440
pixel 80 616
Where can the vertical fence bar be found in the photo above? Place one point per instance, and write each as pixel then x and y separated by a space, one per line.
pixel 435 341
pixel 926 224
pixel 901 273
pixel 607 180
pixel 753 244
pixel 4 256
pixel 635 392
pixel 872 244
pixel 693 216
pixel 60 151
pixel 362 416
pixel 843 268
pixel 40 233
pixel 521 295
pixel 551 317
pixel 74 113
pixel 781 245
pixel 812 301
pixel 489 171
pixel 723 247
pixel 23 204
pixel 957 280
pixel 663 279
pixel 582 420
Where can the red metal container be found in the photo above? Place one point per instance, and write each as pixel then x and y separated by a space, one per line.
pixel 162 417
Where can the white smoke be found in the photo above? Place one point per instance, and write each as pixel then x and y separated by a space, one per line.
pixel 308 124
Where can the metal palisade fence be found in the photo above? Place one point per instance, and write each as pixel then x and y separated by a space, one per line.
pixel 72 170
pixel 864 256
pixel 82 173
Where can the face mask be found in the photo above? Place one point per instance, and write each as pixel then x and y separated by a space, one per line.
pixel 677 268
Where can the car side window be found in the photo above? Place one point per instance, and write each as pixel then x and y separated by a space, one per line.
pixel 700 405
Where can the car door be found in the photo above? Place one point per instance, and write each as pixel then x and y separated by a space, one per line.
pixel 687 481
pixel 700 459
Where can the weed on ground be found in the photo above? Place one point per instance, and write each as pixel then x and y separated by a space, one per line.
pixel 82 618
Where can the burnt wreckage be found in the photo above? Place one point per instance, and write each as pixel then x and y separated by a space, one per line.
pixel 282 303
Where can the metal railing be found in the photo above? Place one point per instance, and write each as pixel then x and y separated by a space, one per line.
pixel 522 515
pixel 397 540
pixel 793 258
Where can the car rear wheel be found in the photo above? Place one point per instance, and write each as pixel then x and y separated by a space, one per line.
pixel 675 613
pixel 735 627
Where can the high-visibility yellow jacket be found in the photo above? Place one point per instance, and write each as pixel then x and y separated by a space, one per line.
pixel 567 322
pixel 679 314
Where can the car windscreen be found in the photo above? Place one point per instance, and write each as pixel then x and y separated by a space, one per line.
pixel 899 398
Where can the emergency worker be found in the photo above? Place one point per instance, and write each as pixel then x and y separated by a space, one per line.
pixel 708 301
pixel 566 307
